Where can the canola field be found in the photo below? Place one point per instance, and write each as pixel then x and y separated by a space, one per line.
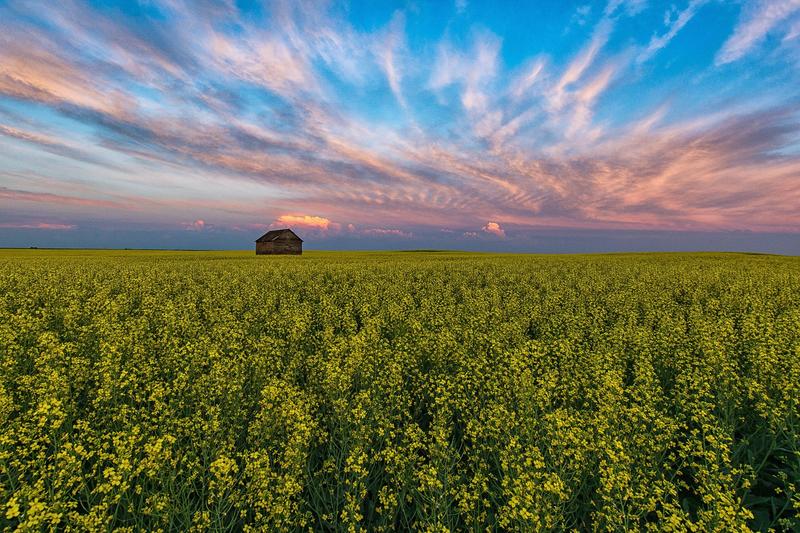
pixel 398 391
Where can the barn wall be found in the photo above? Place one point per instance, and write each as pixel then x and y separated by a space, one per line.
pixel 279 247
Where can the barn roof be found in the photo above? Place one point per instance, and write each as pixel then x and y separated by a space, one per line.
pixel 275 233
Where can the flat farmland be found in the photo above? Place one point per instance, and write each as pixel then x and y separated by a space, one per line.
pixel 404 390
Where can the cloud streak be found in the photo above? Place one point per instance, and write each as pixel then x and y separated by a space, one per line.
pixel 660 41
pixel 37 225
pixel 760 18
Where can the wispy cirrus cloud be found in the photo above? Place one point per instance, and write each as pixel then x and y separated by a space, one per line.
pixel 759 18
pixel 471 70
pixel 50 198
pixel 388 49
pixel 657 42
pixel 578 66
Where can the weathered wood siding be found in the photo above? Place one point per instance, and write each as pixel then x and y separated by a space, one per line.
pixel 277 247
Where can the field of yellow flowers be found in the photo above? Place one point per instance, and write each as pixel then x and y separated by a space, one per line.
pixel 393 391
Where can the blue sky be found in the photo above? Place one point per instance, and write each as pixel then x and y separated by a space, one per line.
pixel 521 126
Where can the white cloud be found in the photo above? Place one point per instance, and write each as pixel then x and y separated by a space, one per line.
pixel 387 53
pixel 632 7
pixel 582 13
pixel 585 98
pixel 794 31
pixel 522 83
pixel 388 232
pixel 676 25
pixel 760 19
pixel 580 64
pixel 472 70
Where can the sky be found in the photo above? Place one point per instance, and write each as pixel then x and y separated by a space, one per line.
pixel 549 126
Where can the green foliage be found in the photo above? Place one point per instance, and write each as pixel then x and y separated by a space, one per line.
pixel 441 391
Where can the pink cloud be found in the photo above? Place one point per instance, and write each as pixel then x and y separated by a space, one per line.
pixel 29 196
pixel 495 229
pixel 24 135
pixel 37 225
pixel 36 70
pixel 307 222
pixel 197 225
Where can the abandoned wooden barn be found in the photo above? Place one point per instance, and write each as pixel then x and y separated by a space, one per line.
pixel 279 241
